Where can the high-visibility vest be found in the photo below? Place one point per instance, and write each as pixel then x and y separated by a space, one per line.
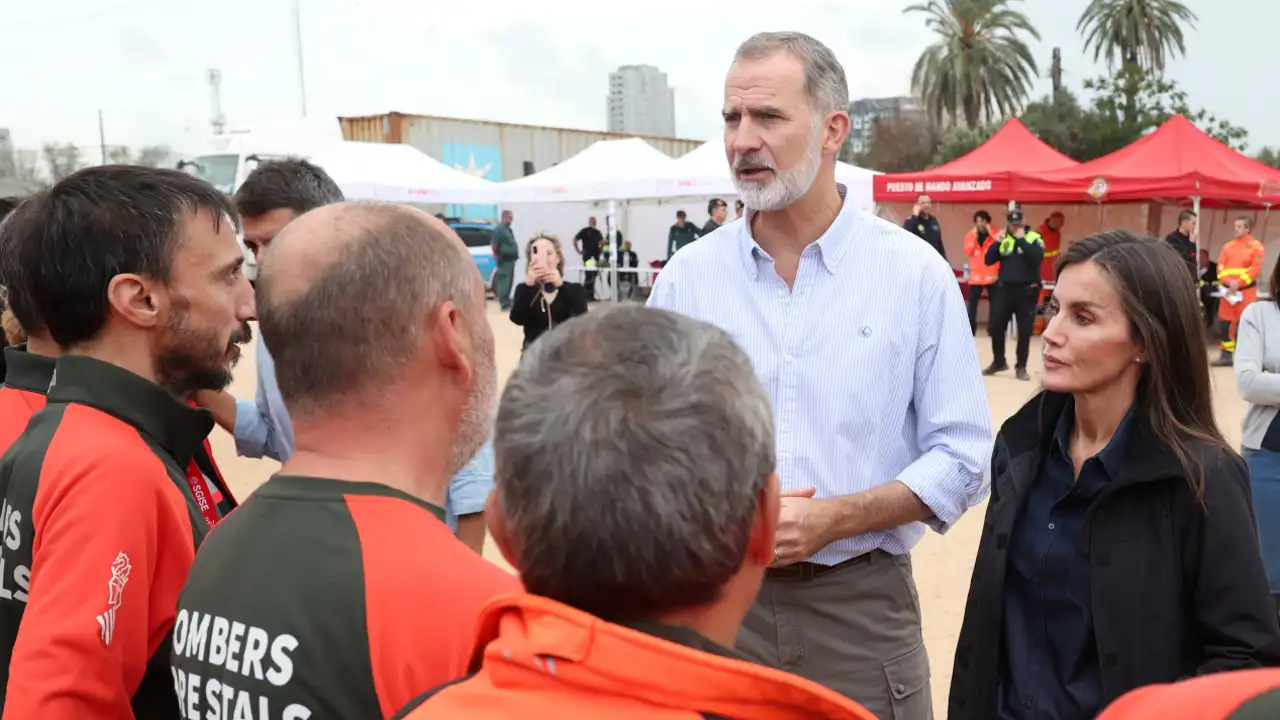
pixel 980 273
pixel 1241 259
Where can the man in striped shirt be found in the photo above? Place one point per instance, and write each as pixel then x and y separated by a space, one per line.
pixel 881 418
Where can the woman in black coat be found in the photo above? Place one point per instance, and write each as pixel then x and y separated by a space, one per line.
pixel 1119 547
pixel 544 299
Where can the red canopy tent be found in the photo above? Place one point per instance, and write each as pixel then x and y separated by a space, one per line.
pixel 1177 162
pixel 993 172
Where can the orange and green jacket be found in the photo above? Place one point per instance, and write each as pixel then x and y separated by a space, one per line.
pixel 1241 259
pixel 980 273
pixel 1239 695
pixel 1052 247
pixel 541 660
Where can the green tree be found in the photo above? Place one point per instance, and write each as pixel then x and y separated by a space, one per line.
pixel 960 141
pixel 1085 133
pixel 1137 38
pixel 899 145
pixel 61 160
pixel 1270 156
pixel 979 68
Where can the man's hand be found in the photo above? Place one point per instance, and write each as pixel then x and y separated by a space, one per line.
pixel 222 405
pixel 915 210
pixel 804 526
pixel 1234 284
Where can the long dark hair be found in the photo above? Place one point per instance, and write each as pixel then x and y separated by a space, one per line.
pixel 1165 322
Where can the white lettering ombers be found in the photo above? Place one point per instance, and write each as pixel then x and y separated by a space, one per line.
pixel 239 649
pixel 10 526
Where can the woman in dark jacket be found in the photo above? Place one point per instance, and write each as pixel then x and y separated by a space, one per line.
pixel 544 299
pixel 1119 546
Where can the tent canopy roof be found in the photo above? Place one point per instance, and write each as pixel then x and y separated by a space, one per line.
pixel 990 172
pixel 396 172
pixel 607 170
pixel 1177 161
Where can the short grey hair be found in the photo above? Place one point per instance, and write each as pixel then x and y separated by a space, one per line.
pixel 632 446
pixel 363 316
pixel 824 78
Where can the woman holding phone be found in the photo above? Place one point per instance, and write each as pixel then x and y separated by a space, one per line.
pixel 545 299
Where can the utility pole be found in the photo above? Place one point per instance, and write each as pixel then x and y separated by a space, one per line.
pixel 102 138
pixel 302 74
pixel 216 118
pixel 1055 71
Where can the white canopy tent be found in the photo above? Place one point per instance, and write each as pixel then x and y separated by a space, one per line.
pixel 394 172
pixel 607 170
pixel 705 171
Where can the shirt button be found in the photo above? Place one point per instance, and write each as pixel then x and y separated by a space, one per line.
pixel 1050 526
pixel 788 359
pixel 782 293
pixel 786 429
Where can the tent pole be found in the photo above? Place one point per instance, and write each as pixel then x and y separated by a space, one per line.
pixel 611 224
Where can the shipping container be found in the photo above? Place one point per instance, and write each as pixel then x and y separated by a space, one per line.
pixel 491 150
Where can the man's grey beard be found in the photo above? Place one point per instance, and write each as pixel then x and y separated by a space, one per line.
pixel 788 186
pixel 475 425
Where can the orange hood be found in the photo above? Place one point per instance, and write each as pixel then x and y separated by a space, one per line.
pixel 534 644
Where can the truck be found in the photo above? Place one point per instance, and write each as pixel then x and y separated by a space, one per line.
pixel 224 161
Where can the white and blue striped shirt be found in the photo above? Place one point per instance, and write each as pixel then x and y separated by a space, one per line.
pixel 869 360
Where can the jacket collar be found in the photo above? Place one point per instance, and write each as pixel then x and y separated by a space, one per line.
pixel 26 371
pixel 533 643
pixel 175 426
pixel 1030 431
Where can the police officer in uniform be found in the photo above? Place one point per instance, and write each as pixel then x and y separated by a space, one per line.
pixel 1019 251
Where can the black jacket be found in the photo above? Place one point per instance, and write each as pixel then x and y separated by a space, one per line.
pixel 929 230
pixel 527 308
pixel 1019 258
pixel 1178 589
pixel 1186 250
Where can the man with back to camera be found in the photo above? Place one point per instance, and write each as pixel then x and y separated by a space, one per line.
pixel 737 208
pixel 506 251
pixel 925 226
pixel 137 275
pixel 1019 251
pixel 717 211
pixel 589 243
pixel 643 625
pixel 680 234
pixel 366 594
pixel 876 390
pixel 271 197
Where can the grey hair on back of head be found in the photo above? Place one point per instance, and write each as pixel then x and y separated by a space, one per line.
pixel 363 317
pixel 824 78
pixel 632 446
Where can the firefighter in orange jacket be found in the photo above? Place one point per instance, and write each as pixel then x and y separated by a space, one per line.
pixel 1051 233
pixel 981 275
pixel 1239 266
pixel 1237 695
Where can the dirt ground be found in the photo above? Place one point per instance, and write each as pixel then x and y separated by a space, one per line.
pixel 942 564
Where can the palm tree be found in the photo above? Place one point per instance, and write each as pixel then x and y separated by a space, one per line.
pixel 979 68
pixel 1136 36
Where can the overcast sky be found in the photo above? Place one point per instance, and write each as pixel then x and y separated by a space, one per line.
pixel 544 62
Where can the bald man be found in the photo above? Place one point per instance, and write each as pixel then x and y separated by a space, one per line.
pixel 337 590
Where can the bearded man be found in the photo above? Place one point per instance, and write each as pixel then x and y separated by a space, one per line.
pixel 881 419
pixel 339 574
pixel 134 274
